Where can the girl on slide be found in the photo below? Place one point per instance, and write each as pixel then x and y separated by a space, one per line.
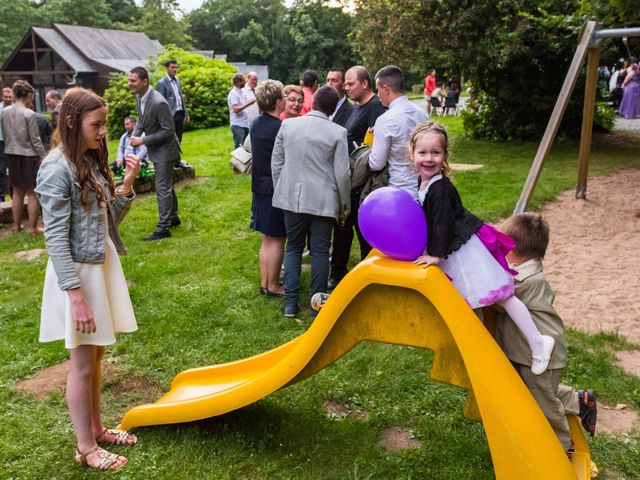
pixel 469 251
pixel 85 300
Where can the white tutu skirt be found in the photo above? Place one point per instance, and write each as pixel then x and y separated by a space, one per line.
pixel 107 294
pixel 479 278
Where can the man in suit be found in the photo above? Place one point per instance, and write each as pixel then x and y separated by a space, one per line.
pixel 358 86
pixel 53 99
pixel 169 87
pixel 310 169
pixel 163 148
pixel 344 109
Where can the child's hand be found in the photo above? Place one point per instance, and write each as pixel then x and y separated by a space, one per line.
pixel 132 167
pixel 427 260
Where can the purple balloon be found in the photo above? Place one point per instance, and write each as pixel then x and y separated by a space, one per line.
pixel 393 222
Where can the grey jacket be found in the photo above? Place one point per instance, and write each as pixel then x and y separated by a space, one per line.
pixel 310 167
pixel 73 233
pixel 20 132
pixel 159 130
pixel 164 88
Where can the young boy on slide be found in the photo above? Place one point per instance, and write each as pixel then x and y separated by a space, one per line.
pixel 531 235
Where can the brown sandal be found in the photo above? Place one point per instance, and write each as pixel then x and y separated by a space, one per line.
pixel 115 436
pixel 108 460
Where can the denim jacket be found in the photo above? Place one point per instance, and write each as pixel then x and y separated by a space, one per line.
pixel 72 232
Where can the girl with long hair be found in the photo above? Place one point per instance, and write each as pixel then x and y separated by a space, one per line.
pixel 85 300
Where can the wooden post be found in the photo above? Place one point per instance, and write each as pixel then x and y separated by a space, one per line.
pixel 588 112
pixel 556 116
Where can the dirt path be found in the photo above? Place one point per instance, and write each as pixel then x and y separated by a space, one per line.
pixel 593 261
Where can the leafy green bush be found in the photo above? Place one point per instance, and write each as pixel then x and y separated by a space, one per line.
pixel 205 84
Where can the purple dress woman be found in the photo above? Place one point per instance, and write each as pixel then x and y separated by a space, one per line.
pixel 630 105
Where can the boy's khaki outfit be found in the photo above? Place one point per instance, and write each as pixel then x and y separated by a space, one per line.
pixel 556 401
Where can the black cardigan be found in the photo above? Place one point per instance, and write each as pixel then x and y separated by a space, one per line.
pixel 449 224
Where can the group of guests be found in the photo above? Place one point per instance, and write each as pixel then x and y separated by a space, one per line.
pixel 436 92
pixel 627 79
pixel 301 184
pixel 24 141
pixel 623 85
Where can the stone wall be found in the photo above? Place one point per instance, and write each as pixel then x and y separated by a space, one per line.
pixel 142 185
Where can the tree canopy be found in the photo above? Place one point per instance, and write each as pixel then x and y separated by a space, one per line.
pixel 515 54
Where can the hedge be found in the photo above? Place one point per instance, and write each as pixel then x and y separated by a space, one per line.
pixel 205 84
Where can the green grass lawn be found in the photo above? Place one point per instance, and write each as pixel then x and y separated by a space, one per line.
pixel 196 300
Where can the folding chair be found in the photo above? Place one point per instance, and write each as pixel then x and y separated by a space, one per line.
pixel 435 105
pixel 449 105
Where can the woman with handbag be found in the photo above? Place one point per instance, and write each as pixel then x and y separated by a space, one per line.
pixel 265 218
pixel 24 150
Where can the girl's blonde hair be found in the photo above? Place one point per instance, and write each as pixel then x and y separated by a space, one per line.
pixel 431 127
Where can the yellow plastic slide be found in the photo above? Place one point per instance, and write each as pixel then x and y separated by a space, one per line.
pixel 395 302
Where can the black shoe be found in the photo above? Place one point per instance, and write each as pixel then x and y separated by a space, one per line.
pixel 182 164
pixel 588 410
pixel 274 294
pixel 333 281
pixel 176 222
pixel 157 235
pixel 290 310
pixel 263 291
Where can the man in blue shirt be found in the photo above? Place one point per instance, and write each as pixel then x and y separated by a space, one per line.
pixel 124 147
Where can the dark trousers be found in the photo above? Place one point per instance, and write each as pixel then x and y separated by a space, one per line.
pixel 298 226
pixel 239 134
pixel 178 122
pixel 342 239
pixel 4 184
pixel 167 199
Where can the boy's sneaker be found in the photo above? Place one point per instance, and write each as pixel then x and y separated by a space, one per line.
pixel 570 453
pixel 318 301
pixel 588 410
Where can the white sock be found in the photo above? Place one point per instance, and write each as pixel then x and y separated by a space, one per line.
pixel 520 315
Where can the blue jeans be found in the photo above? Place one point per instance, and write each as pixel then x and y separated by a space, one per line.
pixel 239 134
pixel 298 226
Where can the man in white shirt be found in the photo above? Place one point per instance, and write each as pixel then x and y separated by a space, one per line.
pixel 170 88
pixel 249 93
pixel 238 116
pixel 392 130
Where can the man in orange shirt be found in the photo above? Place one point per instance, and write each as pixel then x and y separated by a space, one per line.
pixel 309 87
pixel 429 87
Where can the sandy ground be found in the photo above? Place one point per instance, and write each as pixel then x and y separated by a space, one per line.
pixel 593 261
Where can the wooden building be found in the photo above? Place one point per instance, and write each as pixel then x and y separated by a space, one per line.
pixel 69 55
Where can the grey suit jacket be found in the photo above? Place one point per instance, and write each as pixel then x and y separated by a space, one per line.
pixel 310 167
pixel 159 131
pixel 164 88
pixel 20 132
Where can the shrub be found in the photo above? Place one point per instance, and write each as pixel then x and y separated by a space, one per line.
pixel 205 84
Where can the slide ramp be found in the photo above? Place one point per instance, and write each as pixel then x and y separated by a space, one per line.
pixel 393 302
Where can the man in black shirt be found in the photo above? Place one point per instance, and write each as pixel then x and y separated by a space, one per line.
pixel 358 86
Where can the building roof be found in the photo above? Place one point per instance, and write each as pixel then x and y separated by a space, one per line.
pixel 65 49
pixel 117 49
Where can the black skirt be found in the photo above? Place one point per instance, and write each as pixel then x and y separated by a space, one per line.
pixel 265 218
pixel 23 171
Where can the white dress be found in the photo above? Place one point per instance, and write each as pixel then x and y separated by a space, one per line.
pixel 107 294
pixel 475 273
